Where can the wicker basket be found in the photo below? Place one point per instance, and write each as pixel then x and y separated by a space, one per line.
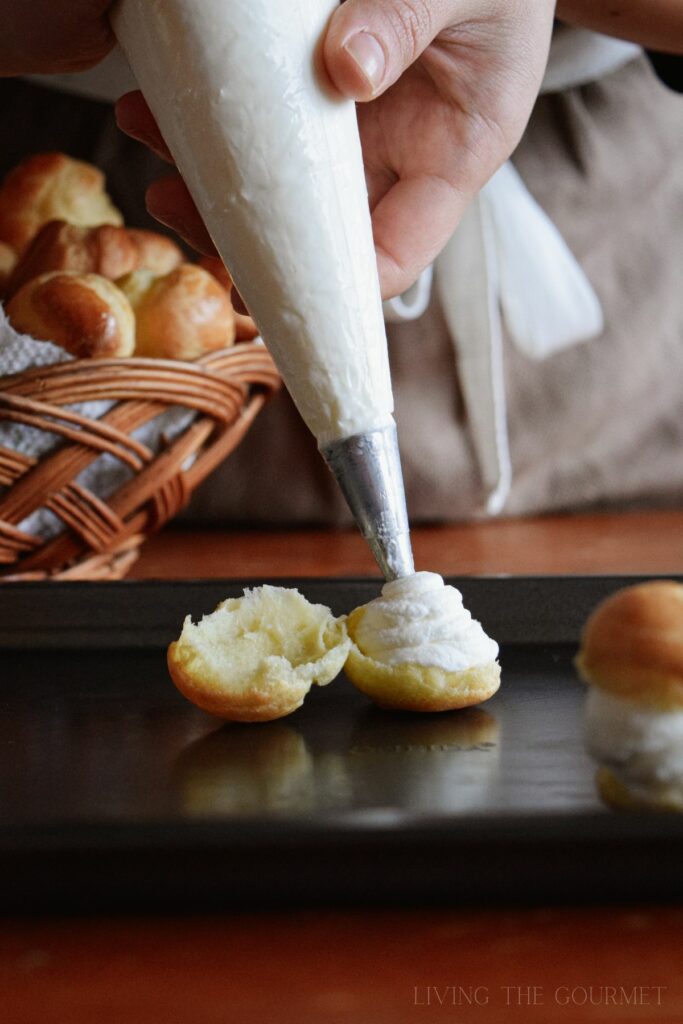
pixel 101 538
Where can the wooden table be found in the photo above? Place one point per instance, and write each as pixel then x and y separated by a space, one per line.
pixel 636 542
pixel 356 967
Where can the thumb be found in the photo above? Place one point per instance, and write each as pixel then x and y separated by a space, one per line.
pixel 370 43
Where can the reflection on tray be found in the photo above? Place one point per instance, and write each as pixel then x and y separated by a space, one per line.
pixel 241 770
pixel 435 765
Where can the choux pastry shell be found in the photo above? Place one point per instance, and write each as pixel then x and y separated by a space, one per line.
pixel 181 315
pixel 52 186
pixel 256 657
pixel 412 687
pixel 632 645
pixel 87 315
pixel 416 647
pixel 8 260
pixel 107 250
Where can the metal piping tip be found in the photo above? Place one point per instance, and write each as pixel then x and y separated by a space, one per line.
pixel 367 467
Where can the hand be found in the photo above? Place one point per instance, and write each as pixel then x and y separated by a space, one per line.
pixel 447 87
pixel 52 36
pixel 445 90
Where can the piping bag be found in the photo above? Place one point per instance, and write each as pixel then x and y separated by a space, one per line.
pixel 272 158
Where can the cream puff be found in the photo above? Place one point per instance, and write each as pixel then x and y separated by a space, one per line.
pixel 85 314
pixel 8 260
pixel 52 186
pixel 417 648
pixel 256 657
pixel 631 656
pixel 107 250
pixel 155 252
pixel 181 315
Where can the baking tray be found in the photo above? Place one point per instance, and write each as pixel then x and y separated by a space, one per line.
pixel 115 793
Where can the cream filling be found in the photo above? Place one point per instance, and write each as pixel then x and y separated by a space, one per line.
pixel 642 747
pixel 419 620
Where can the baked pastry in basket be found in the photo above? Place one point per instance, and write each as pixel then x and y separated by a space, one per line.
pixel 155 252
pixel 85 314
pixel 107 249
pixel 181 315
pixel 52 186
pixel 99 452
pixel 8 261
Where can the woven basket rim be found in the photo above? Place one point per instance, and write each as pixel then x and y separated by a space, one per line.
pixel 224 389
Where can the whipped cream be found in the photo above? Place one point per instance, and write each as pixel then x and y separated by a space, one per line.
pixel 641 746
pixel 273 161
pixel 419 620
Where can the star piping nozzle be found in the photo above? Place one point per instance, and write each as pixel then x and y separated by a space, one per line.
pixel 367 467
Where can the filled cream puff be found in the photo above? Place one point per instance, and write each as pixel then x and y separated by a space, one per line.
pixel 417 648
pixel 632 658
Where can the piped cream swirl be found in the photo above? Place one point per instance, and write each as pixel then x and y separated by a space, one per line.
pixel 419 620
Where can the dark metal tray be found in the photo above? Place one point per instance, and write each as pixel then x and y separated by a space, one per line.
pixel 116 793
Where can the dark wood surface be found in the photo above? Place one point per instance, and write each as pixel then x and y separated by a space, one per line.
pixel 636 542
pixel 596 965
pixel 347 968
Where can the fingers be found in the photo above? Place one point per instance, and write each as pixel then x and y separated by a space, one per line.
pixel 169 201
pixel 134 117
pixel 370 43
pixel 411 225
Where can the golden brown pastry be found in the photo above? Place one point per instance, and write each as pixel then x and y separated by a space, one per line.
pixel 86 314
pixel 632 644
pixel 8 259
pixel 181 315
pixel 632 658
pixel 52 186
pixel 625 796
pixel 245 328
pixel 106 250
pixel 420 688
pixel 156 252
pixel 256 657
pixel 417 648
